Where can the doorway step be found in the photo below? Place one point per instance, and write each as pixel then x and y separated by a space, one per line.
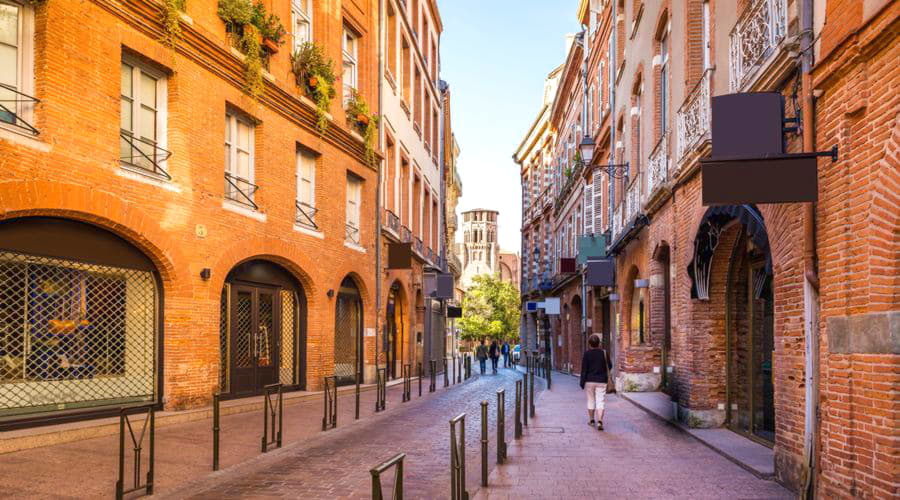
pixel 759 460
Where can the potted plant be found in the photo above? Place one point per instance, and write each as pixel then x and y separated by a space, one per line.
pixel 314 73
pixel 363 121
pixel 255 33
pixel 270 28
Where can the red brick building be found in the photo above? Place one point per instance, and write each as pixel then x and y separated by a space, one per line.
pixel 150 263
pixel 775 320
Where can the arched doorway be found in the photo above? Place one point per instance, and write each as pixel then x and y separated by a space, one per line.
pixel 662 263
pixel 263 329
pixel 749 312
pixel 348 321
pixel 577 338
pixel 80 320
pixel 395 330
pixel 419 348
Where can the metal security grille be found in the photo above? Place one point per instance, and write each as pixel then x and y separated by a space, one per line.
pixel 346 336
pixel 288 329
pixel 74 334
pixel 243 329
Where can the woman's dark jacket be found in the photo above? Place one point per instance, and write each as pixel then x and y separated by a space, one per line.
pixel 494 351
pixel 595 366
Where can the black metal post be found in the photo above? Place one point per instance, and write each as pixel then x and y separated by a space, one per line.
pixel 518 424
pixel 446 374
pixel 549 370
pixel 215 430
pixel 275 410
pixel 358 380
pixel 525 399
pixel 484 444
pixel 433 376
pixel 458 459
pixel 380 389
pixel 501 425
pixel 419 368
pixel 531 396
pixel 397 494
pixel 407 383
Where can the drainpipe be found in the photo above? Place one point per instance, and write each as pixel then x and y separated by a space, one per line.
pixel 811 280
pixel 378 201
pixel 585 36
pixel 613 323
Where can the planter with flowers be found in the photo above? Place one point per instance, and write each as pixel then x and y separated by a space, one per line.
pixel 366 123
pixel 314 73
pixel 256 34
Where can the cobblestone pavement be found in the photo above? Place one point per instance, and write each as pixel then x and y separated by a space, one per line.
pixel 336 464
pixel 637 456
pixel 88 468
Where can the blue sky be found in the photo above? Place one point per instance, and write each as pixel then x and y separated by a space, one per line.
pixel 495 55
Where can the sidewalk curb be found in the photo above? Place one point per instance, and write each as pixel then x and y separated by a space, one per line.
pixel 686 430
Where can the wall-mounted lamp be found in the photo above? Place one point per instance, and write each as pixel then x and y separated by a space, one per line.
pixel 642 283
pixel 205 273
pixel 586 154
pixel 614 297
pixel 330 293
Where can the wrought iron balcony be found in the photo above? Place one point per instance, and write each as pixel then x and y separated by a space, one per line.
pixel 351 233
pixel 137 152
pixel 10 102
pixel 758 32
pixel 306 214
pixel 391 222
pixel 405 234
pixel 694 117
pixel 419 247
pixel 240 190
pixel 633 200
pixel 658 166
pixel 617 221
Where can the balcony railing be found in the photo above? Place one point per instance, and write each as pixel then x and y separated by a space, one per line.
pixel 11 100
pixel 617 221
pixel 694 117
pixel 658 166
pixel 633 200
pixel 756 35
pixel 352 233
pixel 143 154
pixel 419 247
pixel 306 215
pixel 392 222
pixel 405 234
pixel 240 190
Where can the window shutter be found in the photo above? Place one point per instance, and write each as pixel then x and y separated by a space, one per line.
pixel 588 216
pixel 598 200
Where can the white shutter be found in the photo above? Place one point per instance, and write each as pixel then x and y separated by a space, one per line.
pixel 598 200
pixel 588 216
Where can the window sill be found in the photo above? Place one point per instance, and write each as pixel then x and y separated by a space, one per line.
pixel 390 79
pixel 147 178
pixel 404 106
pixel 235 207
pixel 354 246
pixel 16 135
pixel 309 102
pixel 309 231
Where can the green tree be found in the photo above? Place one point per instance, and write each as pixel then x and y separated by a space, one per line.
pixel 490 309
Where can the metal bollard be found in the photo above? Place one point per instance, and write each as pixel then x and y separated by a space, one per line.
pixel 358 381
pixel 459 370
pixel 419 368
pixel 446 374
pixel 329 413
pixel 380 389
pixel 397 494
pixel 525 400
pixel 458 459
pixel 215 430
pixel 531 396
pixel 274 410
pixel 433 378
pixel 549 370
pixel 518 424
pixel 407 384
pixel 484 444
pixel 501 425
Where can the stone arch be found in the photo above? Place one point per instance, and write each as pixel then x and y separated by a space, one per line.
pixel 626 303
pixel 271 249
pixel 575 344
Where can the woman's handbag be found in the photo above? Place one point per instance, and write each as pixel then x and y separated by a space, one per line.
pixel 610 383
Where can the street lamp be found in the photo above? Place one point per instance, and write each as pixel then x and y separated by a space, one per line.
pixel 586 154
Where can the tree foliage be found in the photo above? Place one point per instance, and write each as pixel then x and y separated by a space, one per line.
pixel 490 309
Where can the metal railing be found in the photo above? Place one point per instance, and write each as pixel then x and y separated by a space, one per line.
pixel 405 234
pixel 617 221
pixel 240 190
pixel 137 443
pixel 10 105
pixel 458 458
pixel 397 493
pixel 407 383
pixel 501 425
pixel 633 199
pixel 658 166
pixel 694 117
pixel 306 214
pixel 137 157
pixel 756 34
pixel 329 416
pixel 276 412
pixel 391 221
pixel 419 246
pixel 216 429
pixel 351 233
pixel 380 389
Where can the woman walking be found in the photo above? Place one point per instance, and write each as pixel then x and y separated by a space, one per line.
pixel 481 355
pixel 495 355
pixel 595 366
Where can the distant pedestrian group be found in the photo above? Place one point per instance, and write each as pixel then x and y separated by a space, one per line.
pixel 493 352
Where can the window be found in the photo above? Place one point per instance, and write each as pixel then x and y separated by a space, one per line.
pixel 392 41
pixel 239 185
pixel 435 130
pixel 301 20
pixel 589 112
pixel 354 200
pixel 306 188
pixel 404 69
pixel 663 83
pixel 16 73
pixel 350 51
pixel 417 99
pixel 142 120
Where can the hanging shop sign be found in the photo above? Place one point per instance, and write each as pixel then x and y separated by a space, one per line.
pixel 551 305
pixel 600 272
pixel 531 306
pixel 567 265
pixel 748 163
pixel 454 312
pixel 400 256
pixel 438 285
pixel 592 246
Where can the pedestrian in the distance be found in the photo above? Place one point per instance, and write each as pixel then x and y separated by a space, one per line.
pixel 505 351
pixel 595 366
pixel 495 355
pixel 481 353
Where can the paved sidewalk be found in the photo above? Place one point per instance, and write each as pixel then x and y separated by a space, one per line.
pixel 637 456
